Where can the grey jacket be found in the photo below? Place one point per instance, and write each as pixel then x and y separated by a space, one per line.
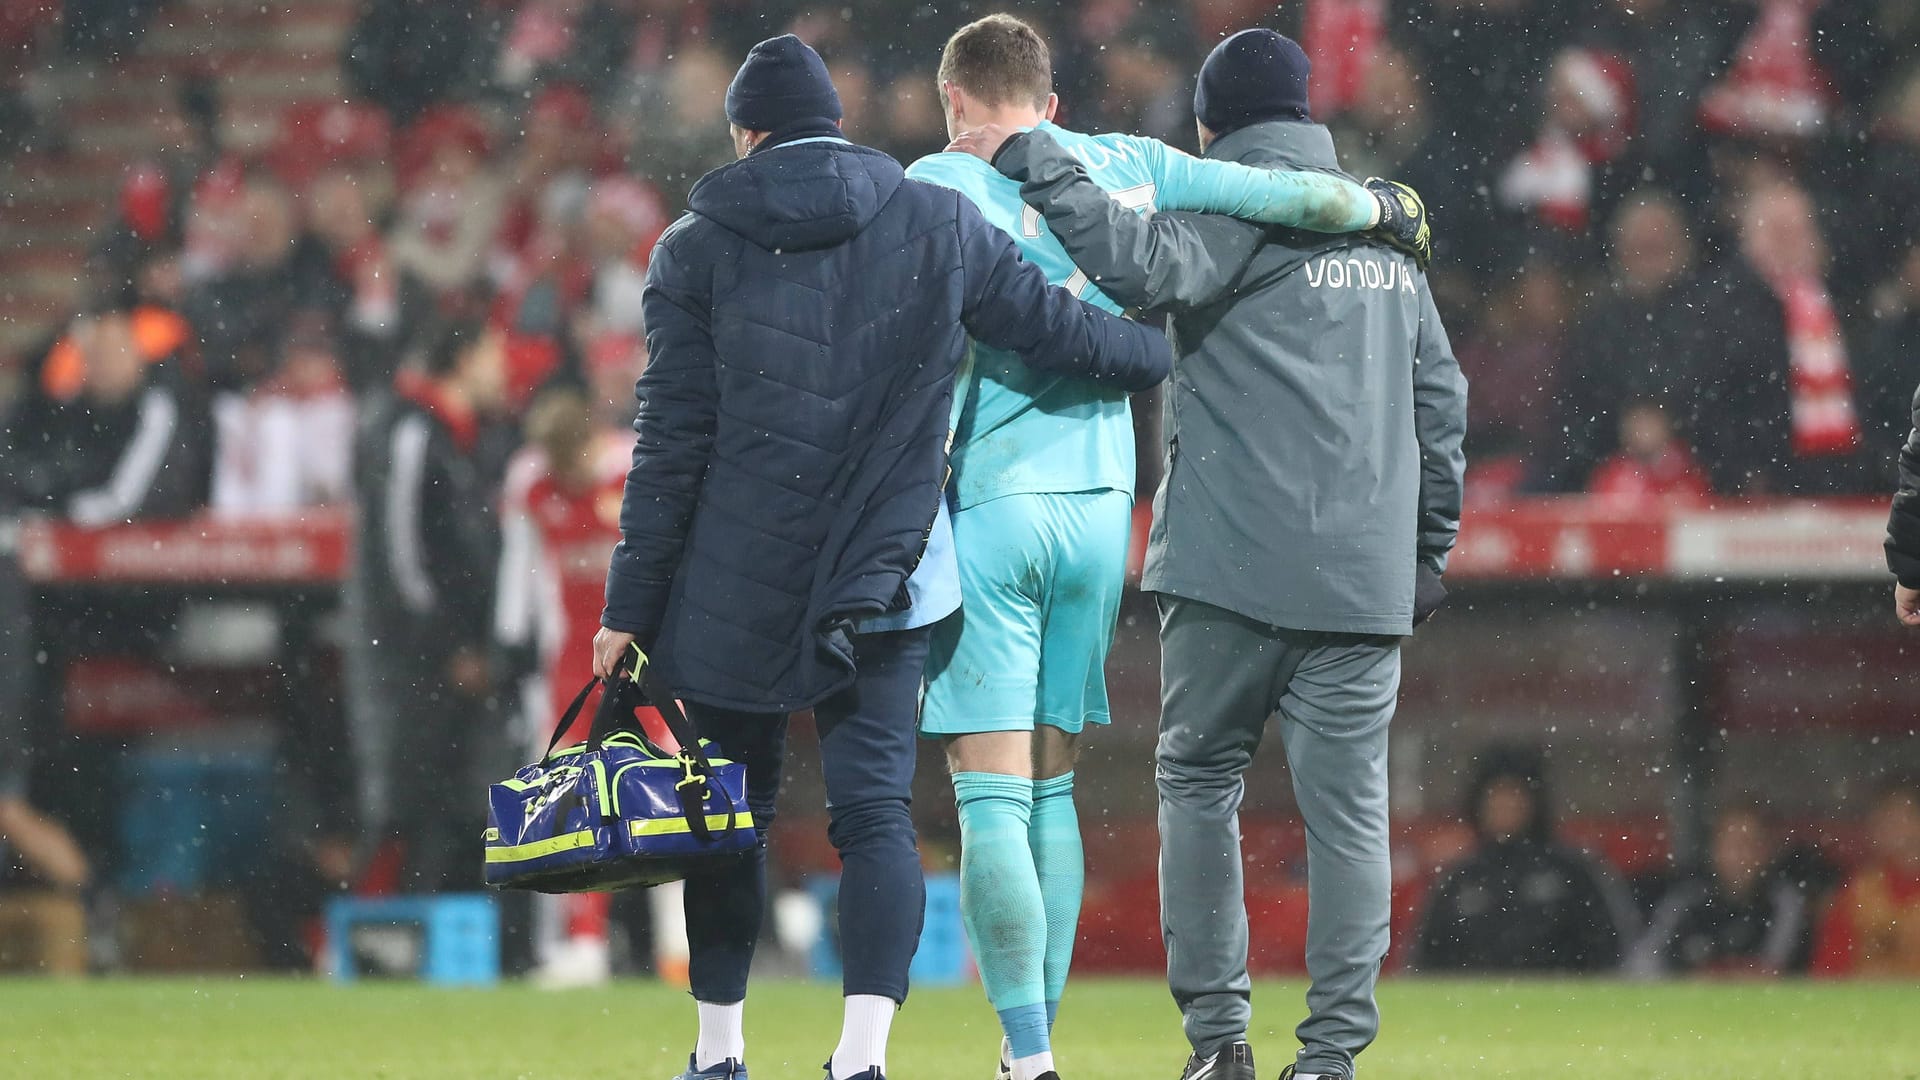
pixel 1315 413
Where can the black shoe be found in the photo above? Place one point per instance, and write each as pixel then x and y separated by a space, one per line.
pixel 871 1074
pixel 1291 1071
pixel 1234 1062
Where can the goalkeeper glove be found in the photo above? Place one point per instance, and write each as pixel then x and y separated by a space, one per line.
pixel 1403 219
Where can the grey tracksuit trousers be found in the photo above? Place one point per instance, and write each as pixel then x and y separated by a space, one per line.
pixel 1224 677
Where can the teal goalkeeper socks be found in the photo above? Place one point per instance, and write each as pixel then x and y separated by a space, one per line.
pixel 1001 904
pixel 1053 834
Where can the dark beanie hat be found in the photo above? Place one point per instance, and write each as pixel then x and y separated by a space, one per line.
pixel 1252 76
pixel 782 81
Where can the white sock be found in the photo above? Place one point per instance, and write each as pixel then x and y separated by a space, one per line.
pixel 863 1035
pixel 720 1036
pixel 1032 1068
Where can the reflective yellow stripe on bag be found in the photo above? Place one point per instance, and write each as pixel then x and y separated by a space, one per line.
pixel 564 842
pixel 669 826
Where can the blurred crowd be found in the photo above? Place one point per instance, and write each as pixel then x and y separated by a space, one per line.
pixel 1520 895
pixel 1679 255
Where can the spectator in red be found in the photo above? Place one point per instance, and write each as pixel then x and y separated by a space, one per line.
pixel 1771 388
pixel 1740 916
pixel 1872 927
pixel 1568 176
pixel 1777 89
pixel 558 523
pixel 1622 348
pixel 452 204
pixel 1653 465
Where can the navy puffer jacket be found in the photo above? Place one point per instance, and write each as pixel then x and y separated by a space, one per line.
pixel 804 324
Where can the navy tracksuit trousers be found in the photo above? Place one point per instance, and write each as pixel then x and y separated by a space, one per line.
pixel 867 751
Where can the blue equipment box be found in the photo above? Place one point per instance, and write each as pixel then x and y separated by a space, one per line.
pixel 452 939
pixel 943 958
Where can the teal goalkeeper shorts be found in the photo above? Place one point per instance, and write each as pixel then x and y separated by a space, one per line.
pixel 1040 583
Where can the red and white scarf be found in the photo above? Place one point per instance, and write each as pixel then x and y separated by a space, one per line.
pixel 1776 87
pixel 1819 380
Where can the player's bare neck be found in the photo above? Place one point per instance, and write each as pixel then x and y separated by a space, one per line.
pixel 1013 116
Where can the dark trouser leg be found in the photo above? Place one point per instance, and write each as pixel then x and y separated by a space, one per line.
pixel 726 906
pixel 1218 675
pixel 1334 716
pixel 867 750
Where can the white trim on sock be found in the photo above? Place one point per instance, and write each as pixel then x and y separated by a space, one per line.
pixel 721 1038
pixel 863 1035
pixel 1032 1068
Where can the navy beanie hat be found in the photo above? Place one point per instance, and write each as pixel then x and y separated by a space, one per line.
pixel 783 81
pixel 1252 76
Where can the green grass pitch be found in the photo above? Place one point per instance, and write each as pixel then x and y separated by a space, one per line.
pixel 262 1029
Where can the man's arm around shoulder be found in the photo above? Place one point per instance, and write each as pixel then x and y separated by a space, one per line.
pixel 1008 304
pixel 1159 261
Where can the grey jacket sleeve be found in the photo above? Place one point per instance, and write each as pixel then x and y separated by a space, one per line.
pixel 1903 524
pixel 1440 422
pixel 1159 261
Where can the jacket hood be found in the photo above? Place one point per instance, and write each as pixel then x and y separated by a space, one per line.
pixel 799 196
pixel 1295 143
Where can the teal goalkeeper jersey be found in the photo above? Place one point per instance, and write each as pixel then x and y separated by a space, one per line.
pixel 1024 432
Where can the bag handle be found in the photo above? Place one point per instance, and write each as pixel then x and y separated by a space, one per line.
pixel 567 718
pixel 616 711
